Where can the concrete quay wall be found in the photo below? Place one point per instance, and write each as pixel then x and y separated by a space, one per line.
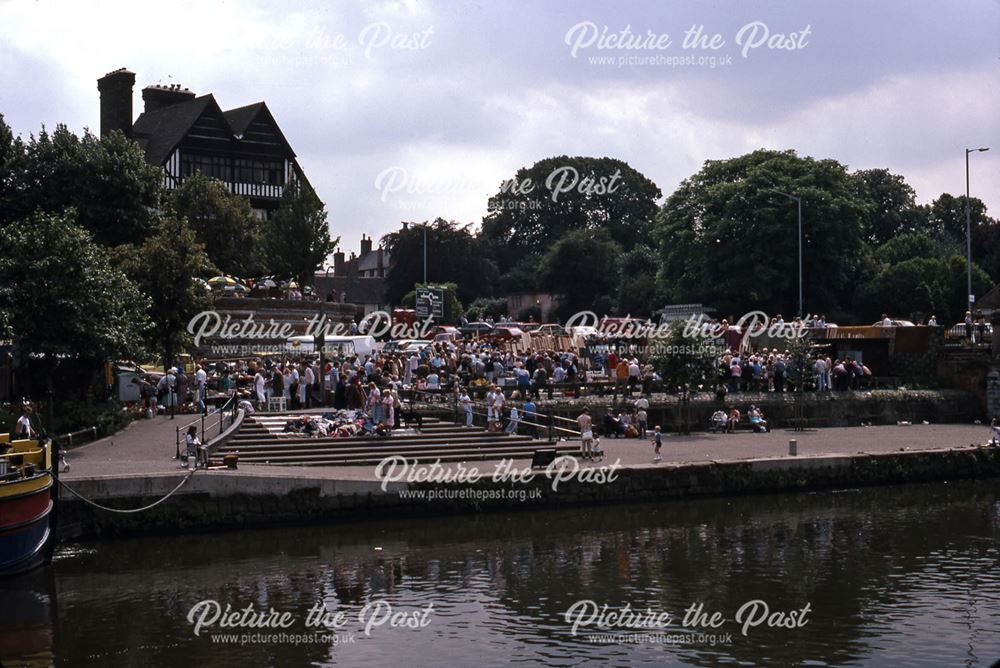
pixel 231 500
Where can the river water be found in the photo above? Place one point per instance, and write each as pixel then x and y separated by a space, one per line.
pixel 896 576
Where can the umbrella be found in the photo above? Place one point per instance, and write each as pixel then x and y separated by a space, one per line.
pixel 223 282
pixel 267 282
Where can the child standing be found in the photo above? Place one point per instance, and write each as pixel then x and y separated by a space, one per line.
pixel 657 442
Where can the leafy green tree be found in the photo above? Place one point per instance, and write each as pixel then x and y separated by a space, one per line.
pixel 223 223
pixel 921 285
pixel 543 203
pixel 10 147
pixel 688 363
pixel 890 207
pixel 484 307
pixel 454 255
pixel 986 248
pixel 946 216
pixel 579 268
pixel 165 266
pixel 298 236
pixel 60 296
pixel 727 240
pixel 637 285
pixel 911 245
pixel 108 181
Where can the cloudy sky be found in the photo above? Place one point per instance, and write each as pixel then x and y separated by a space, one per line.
pixel 409 110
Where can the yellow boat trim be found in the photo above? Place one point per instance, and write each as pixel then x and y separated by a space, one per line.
pixel 22 487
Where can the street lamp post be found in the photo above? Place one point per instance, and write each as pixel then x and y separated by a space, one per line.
pixel 425 254
pixel 968 224
pixel 798 202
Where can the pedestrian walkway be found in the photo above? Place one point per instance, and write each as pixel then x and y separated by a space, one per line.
pixel 147 447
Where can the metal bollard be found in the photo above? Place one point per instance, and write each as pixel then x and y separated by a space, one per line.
pixel 793 447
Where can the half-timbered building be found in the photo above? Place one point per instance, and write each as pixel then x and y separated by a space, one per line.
pixel 186 133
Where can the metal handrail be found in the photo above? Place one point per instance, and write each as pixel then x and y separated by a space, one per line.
pixel 69 437
pixel 221 412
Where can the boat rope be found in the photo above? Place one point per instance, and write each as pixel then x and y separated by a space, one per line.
pixel 129 510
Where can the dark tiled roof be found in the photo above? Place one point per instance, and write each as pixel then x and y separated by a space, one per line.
pixel 158 132
pixel 369 261
pixel 359 290
pixel 241 117
pixel 990 301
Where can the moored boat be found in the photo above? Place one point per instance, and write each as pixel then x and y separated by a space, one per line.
pixel 26 502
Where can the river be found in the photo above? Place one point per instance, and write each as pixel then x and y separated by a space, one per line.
pixel 894 576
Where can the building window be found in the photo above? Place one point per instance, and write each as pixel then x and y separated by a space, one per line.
pixel 267 172
pixel 212 166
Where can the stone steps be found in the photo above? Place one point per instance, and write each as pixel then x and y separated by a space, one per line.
pixel 260 441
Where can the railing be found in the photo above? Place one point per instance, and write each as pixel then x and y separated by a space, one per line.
pixel 66 440
pixel 219 415
pixel 542 422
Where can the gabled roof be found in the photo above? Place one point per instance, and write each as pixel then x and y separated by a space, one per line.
pixel 240 117
pixel 160 131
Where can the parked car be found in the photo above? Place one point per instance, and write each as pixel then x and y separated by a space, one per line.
pixel 445 333
pixel 895 323
pixel 474 329
pixel 957 331
pixel 554 330
pixel 505 332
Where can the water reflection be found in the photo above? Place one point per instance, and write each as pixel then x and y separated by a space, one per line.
pixel 894 576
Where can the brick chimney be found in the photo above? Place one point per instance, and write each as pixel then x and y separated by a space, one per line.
pixel 380 260
pixel 338 263
pixel 366 245
pixel 158 97
pixel 116 101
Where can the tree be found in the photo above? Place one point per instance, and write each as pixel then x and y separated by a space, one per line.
pixel 911 245
pixel 61 297
pixel 222 222
pixel 727 240
pixel 637 285
pixel 164 266
pixel 298 236
pixel 687 362
pixel 579 268
pixel 454 255
pixel 921 285
pixel 485 307
pixel 946 216
pixel 108 181
pixel 543 203
pixel 890 205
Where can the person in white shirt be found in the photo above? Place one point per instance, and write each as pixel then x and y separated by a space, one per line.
pixel 515 417
pixel 201 387
pixel 258 385
pixel 490 410
pixel 498 402
pixel 23 428
pixel 433 381
pixel 886 320
pixel 466 402
pixel 305 395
